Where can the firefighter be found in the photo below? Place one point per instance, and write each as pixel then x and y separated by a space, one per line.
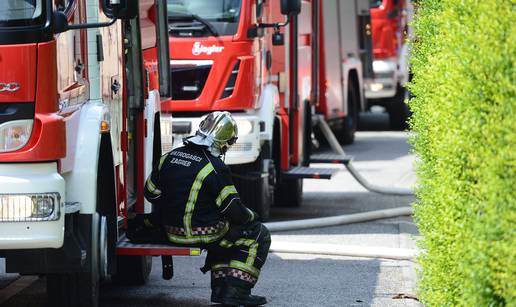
pixel 199 206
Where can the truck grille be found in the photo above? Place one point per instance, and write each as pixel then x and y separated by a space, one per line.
pixel 240 147
pixel 189 78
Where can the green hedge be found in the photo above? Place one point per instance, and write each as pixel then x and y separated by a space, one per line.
pixel 464 120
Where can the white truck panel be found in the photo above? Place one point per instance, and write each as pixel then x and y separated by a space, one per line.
pixel 268 103
pixel 81 181
pixel 152 106
pixel 333 65
pixel 29 178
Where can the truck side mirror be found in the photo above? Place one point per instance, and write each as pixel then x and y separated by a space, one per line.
pixel 114 9
pixel 290 7
pixel 120 9
pixel 60 22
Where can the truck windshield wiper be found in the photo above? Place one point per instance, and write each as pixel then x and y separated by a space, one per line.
pixel 198 18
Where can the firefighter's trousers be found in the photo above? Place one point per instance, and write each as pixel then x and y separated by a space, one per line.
pixel 236 259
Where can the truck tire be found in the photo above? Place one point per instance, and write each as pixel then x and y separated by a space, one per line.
pixel 350 121
pixel 132 270
pixel 79 289
pixel 255 183
pixel 289 193
pixel 398 110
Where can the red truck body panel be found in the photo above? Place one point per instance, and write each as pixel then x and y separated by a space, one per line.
pixel 33 66
pixel 386 23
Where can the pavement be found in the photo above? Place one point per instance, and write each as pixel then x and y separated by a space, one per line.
pixel 383 157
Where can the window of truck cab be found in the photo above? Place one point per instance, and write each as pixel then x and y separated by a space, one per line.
pixel 376 3
pixel 19 13
pixel 222 15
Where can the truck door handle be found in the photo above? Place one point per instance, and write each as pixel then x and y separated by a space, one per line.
pixel 79 67
pixel 115 86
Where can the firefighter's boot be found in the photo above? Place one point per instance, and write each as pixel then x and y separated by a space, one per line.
pixel 238 295
pixel 217 286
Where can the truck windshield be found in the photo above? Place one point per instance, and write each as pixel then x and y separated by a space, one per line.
pixel 194 18
pixel 376 3
pixel 21 13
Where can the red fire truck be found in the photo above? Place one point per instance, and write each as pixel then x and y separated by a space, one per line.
pixel 80 89
pixel 390 30
pixel 271 72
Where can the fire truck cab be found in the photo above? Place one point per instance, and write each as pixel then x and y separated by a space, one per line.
pixel 271 63
pixel 390 31
pixel 81 82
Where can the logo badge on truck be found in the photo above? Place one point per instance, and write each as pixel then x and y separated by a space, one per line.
pixel 199 49
pixel 9 87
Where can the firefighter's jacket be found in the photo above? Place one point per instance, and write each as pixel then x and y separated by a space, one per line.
pixel 195 196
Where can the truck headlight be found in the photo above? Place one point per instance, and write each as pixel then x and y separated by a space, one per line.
pixel 29 207
pixel 15 134
pixel 245 126
pixel 384 66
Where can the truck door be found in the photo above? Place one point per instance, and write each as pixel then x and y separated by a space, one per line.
pixel 150 34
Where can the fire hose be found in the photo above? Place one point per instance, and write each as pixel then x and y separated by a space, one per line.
pixel 340 250
pixel 334 143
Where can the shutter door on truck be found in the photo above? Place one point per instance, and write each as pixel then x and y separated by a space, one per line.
pixel 332 59
pixel 348 28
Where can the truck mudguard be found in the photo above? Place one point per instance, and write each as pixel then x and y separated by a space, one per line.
pixel 81 181
pixel 353 63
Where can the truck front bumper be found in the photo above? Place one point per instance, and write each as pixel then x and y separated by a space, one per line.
pixel 32 209
pixel 384 84
pixel 245 150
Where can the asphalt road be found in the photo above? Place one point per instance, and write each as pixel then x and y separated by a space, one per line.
pixel 301 280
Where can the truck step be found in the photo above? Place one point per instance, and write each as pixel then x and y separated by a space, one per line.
pixel 126 248
pixel 302 172
pixel 330 158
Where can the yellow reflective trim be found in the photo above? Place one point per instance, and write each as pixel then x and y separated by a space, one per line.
pixel 162 160
pixel 198 238
pixel 253 247
pixel 225 243
pixel 192 198
pixel 195 252
pixel 219 266
pixel 226 191
pixel 244 267
pixel 151 187
pixel 246 242
pixel 252 253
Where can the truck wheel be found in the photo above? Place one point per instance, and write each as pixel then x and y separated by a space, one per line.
pixel 77 289
pixel 398 110
pixel 350 121
pixel 73 289
pixel 289 193
pixel 132 270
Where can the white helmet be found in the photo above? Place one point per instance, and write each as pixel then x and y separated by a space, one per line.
pixel 217 131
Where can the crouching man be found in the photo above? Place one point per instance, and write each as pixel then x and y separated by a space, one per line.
pixel 198 206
